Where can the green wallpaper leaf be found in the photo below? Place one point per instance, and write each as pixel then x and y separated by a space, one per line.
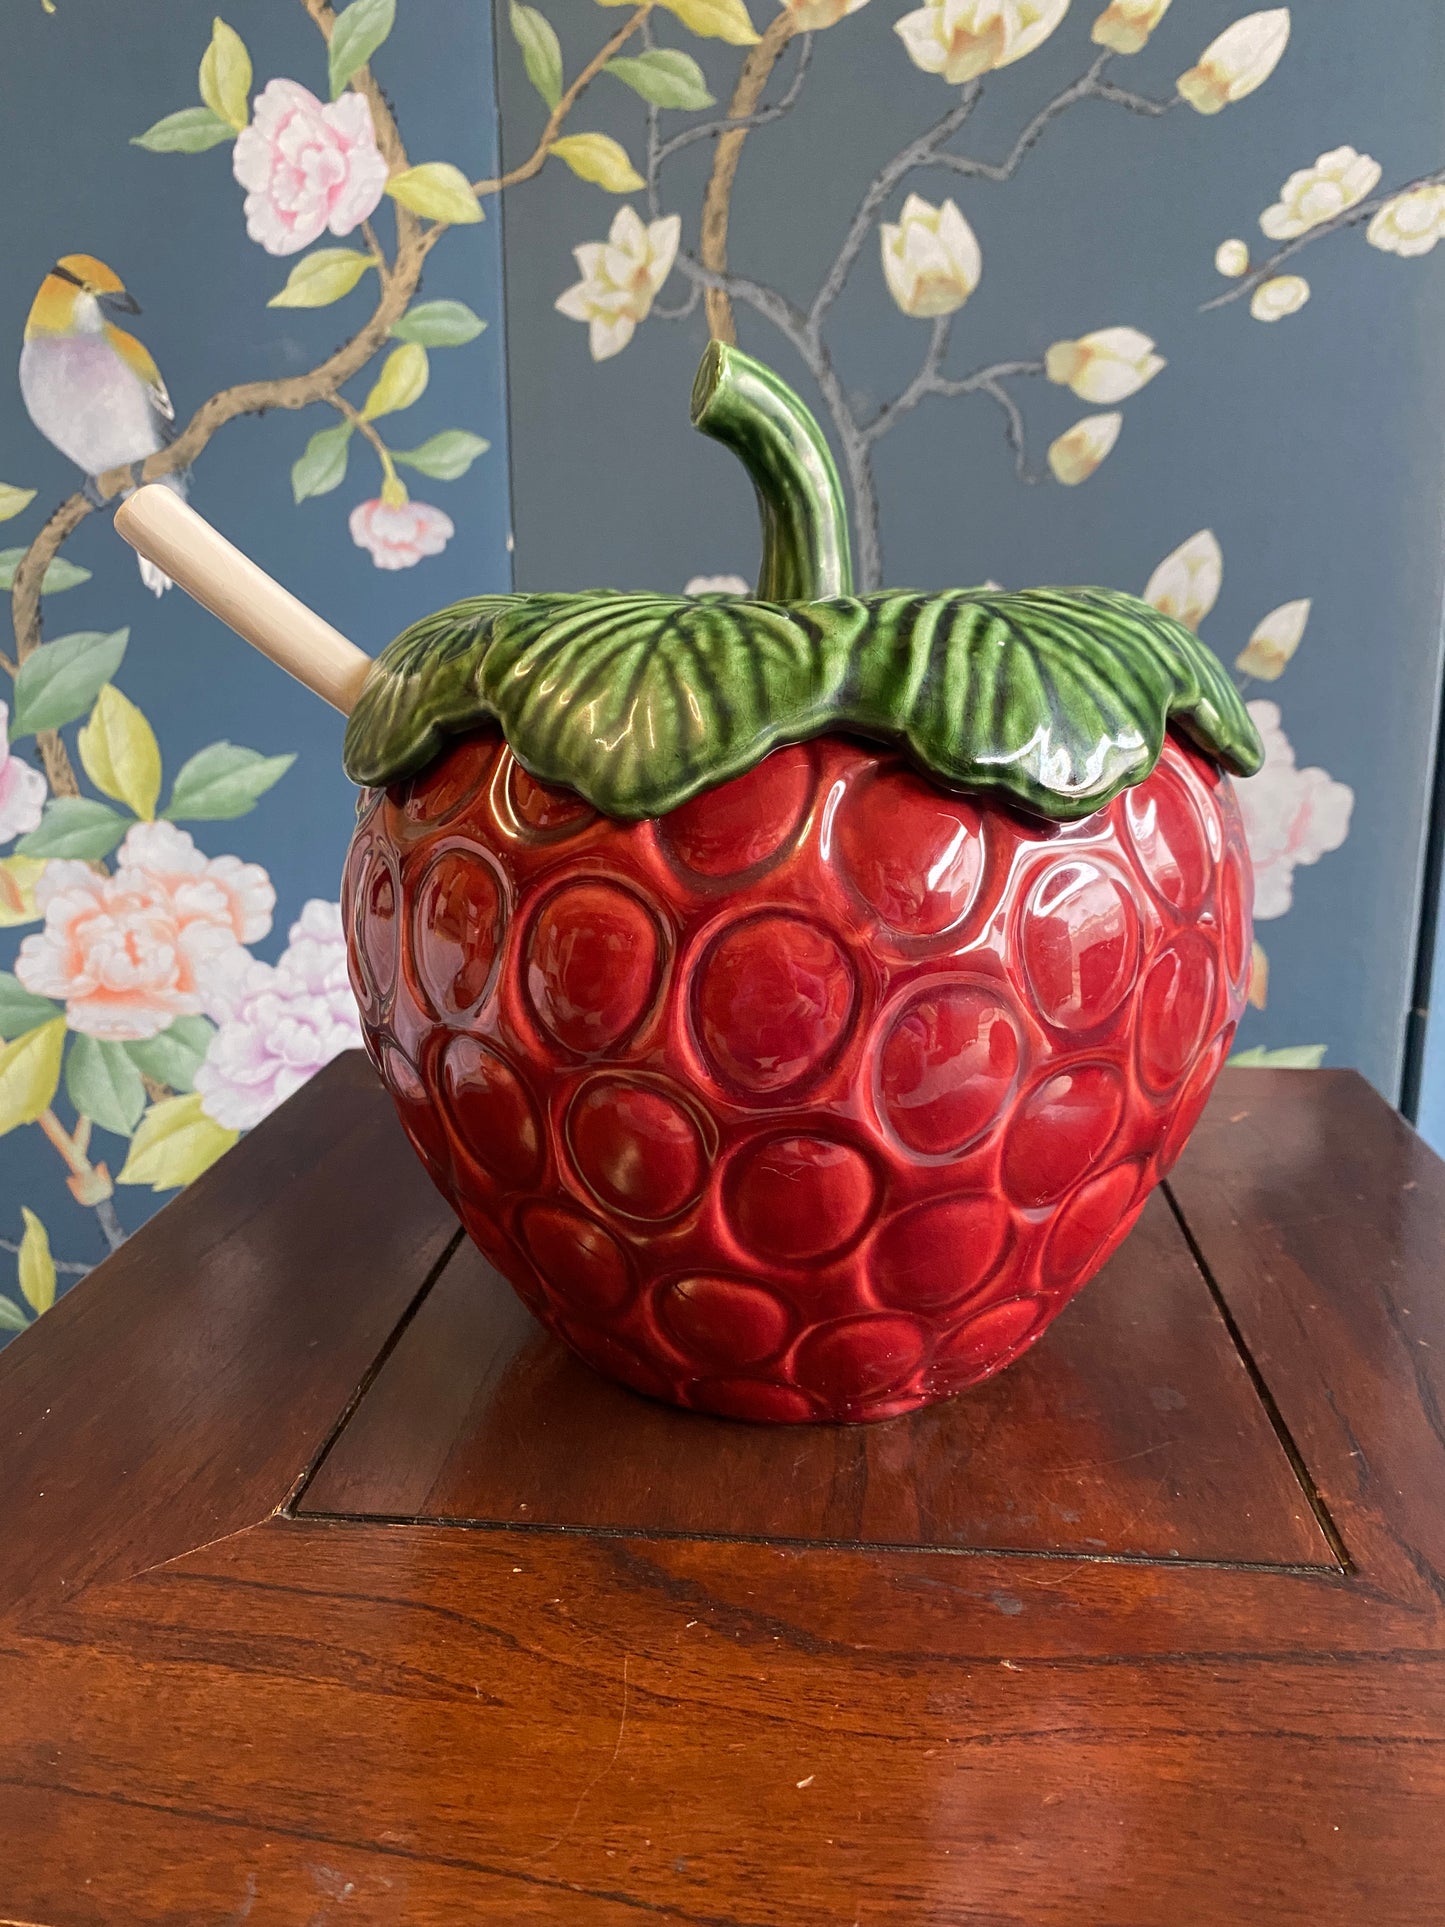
pixel 541 52
pixel 1288 1057
pixel 664 75
pixel 60 575
pixel 62 679
pixel 223 780
pixel 20 1009
pixel 321 466
pixel 359 31
pixel 445 456
pixel 191 131
pixel 176 1055
pixel 75 826
pixel 104 1085
pixel 322 277
pixel 438 324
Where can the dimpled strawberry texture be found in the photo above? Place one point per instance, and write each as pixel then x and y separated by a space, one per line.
pixel 817 1098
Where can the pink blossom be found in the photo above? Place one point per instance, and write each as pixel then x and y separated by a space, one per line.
pixel 160 939
pixel 22 789
pixel 1290 815
pixel 399 537
pixel 307 167
pixel 287 1022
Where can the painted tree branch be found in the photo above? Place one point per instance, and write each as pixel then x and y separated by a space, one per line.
pixel 61 1264
pixel 89 1184
pixel 400 280
pixel 1351 217
pixel 804 331
pixel 918 153
pixel 930 380
pixel 536 160
pixel 717 199
pixel 367 430
pixel 711 129
pixel 1013 424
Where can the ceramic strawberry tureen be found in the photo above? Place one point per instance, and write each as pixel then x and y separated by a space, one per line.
pixel 797 996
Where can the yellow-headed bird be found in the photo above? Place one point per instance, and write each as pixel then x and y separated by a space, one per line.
pixel 91 389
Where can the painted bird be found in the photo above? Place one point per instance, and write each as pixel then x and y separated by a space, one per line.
pixel 91 389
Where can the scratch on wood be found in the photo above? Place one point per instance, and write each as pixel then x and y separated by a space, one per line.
pixel 601 1773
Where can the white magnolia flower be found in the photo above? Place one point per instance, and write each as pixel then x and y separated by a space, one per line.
pixel 1241 59
pixel 1337 180
pixel 1125 25
pixel 1106 366
pixel 1186 583
pixel 963 38
pixel 620 279
pixel 1410 224
pixel 811 15
pixel 1232 258
pixel 1281 295
pixel 1079 450
pixel 1275 639
pixel 718 585
pixel 1290 815
pixel 931 258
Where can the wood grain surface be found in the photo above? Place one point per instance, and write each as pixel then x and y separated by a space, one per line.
pixel 222 1707
pixel 1135 1432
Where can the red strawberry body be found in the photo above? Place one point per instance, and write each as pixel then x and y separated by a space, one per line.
pixel 818 1097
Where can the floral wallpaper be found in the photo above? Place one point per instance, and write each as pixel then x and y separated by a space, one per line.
pixel 166 980
pixel 833 161
pixel 1080 292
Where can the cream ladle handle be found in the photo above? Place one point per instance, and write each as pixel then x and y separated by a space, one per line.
pixel 167 531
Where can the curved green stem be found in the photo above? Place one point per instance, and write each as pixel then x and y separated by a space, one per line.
pixel 744 405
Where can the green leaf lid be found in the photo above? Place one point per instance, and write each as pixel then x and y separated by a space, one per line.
pixel 1054 699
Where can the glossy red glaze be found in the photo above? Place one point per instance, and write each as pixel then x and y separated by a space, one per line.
pixel 818 1098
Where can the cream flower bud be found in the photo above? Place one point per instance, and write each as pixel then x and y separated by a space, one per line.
pixel 1337 180
pixel 1232 258
pixel 1409 224
pixel 1275 639
pixel 1258 992
pixel 717 585
pixel 809 16
pixel 1284 294
pixel 1186 583
pixel 1106 366
pixel 931 258
pixel 1125 25
pixel 961 39
pixel 1241 59
pixel 1076 453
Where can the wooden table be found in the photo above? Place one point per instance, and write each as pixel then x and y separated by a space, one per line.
pixel 331 1591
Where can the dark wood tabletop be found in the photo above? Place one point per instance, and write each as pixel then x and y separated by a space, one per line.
pixel 331 1590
